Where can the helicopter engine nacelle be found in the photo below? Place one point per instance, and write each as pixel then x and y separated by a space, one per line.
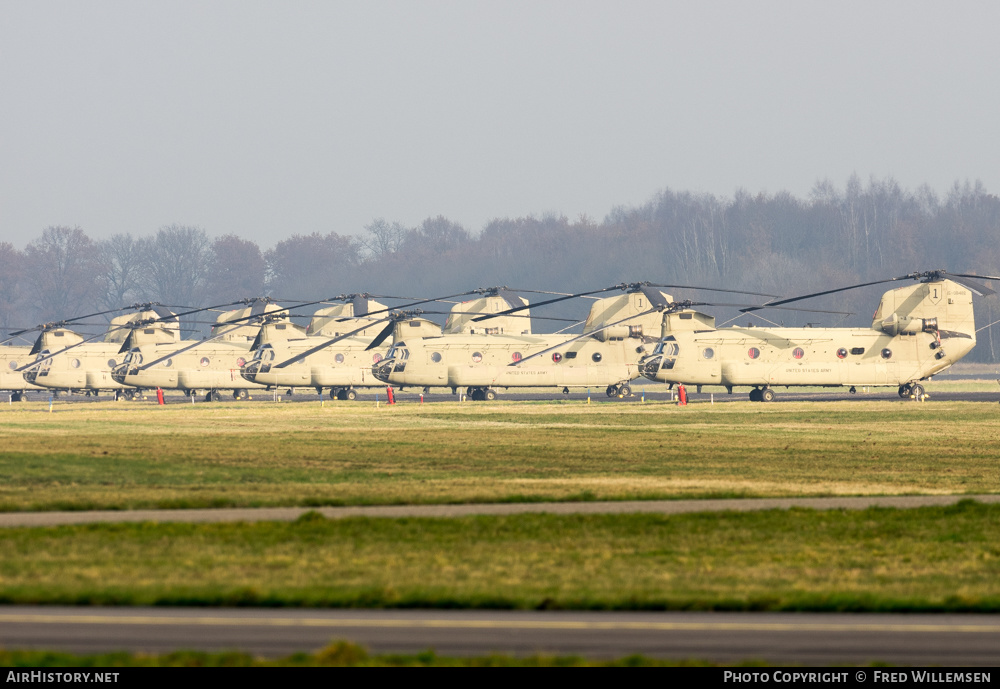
pixel 896 325
pixel 617 332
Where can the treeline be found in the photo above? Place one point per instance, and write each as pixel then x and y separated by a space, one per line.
pixel 774 243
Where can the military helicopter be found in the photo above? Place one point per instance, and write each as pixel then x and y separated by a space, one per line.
pixel 86 366
pixel 917 331
pixel 212 364
pixel 241 337
pixel 314 361
pixel 11 357
pixel 617 332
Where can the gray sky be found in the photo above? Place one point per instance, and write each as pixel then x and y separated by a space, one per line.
pixel 270 118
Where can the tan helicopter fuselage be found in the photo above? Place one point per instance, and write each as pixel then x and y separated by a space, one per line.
pixel 918 331
pixel 209 366
pixel 477 360
pixel 346 363
pixel 12 358
pixel 484 361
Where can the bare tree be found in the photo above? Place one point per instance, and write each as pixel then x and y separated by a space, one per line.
pixel 11 274
pixel 63 270
pixel 178 266
pixel 236 269
pixel 125 259
pixel 312 266
pixel 384 238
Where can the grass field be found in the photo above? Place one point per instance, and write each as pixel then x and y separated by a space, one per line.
pixel 121 455
pixel 925 559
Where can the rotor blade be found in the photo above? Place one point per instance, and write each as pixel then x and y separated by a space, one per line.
pixel 512 299
pixel 655 296
pixel 360 305
pixel 711 289
pixel 548 301
pixel 980 289
pixel 380 338
pixel 823 293
pixel 579 337
pixel 127 344
pixel 328 343
pixel 406 306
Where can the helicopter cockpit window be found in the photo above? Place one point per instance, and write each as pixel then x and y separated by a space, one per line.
pixel 668 348
pixel 397 353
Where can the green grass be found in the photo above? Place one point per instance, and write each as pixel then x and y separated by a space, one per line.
pixel 124 456
pixel 926 559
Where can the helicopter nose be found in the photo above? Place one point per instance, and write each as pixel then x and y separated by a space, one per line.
pixel 650 365
pixel 382 369
pixel 118 373
pixel 250 370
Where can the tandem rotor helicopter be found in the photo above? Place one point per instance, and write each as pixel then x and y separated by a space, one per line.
pixel 617 333
pixel 917 331
pixel 356 329
pixel 88 367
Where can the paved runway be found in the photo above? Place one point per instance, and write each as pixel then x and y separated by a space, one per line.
pixel 782 638
pixel 657 393
pixel 12 519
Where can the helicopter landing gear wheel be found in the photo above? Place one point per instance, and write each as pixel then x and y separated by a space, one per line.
pixel 767 395
pixel 334 394
pixel 350 394
pixel 624 390
pixel 755 395
pixel 17 397
pixel 489 394
pixel 240 394
pixel 853 390
pixel 612 390
pixel 904 391
pixel 917 390
pixel 213 396
pixel 129 395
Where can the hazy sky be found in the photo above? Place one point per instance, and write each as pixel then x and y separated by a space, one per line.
pixel 269 118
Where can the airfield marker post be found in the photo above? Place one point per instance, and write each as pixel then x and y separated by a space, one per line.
pixel 50 404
